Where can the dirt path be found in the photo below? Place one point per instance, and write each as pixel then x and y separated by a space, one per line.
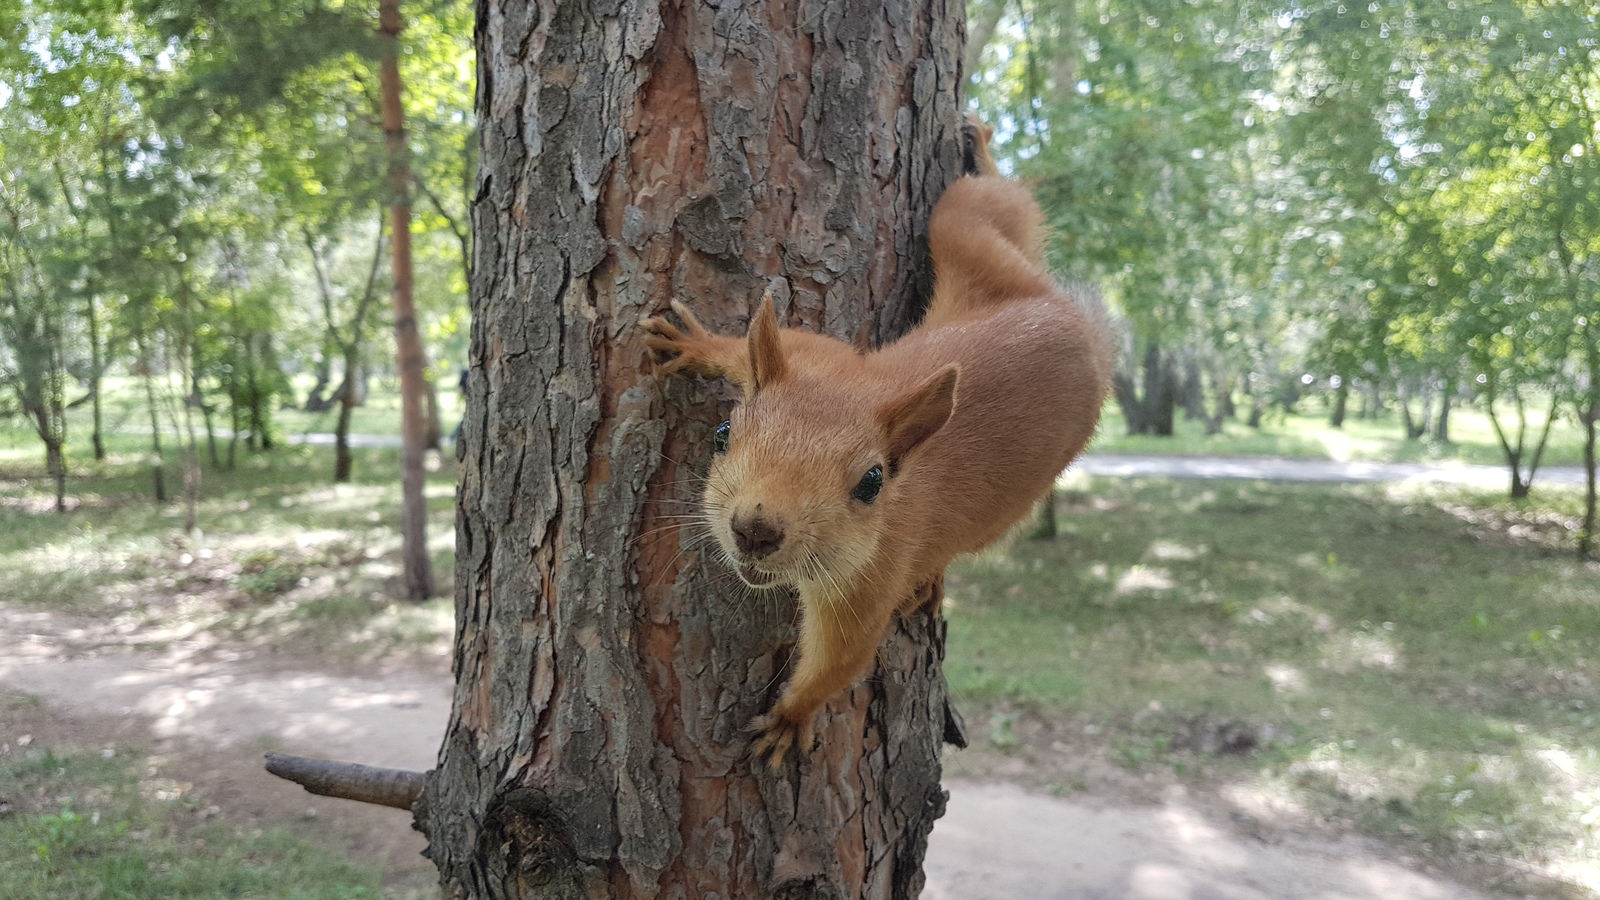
pixel 997 842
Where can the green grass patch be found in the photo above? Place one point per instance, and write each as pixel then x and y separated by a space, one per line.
pixel 1420 663
pixel 84 824
pixel 282 554
pixel 1306 434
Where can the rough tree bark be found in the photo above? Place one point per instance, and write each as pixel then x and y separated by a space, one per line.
pixel 606 665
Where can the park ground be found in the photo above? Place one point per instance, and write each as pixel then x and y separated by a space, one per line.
pixel 1401 672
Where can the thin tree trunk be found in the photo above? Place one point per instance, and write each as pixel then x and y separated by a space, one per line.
pixel 1044 521
pixel 191 449
pixel 56 463
pixel 1586 532
pixel 157 463
pixel 260 399
pixel 315 401
pixel 1225 406
pixel 1127 393
pixel 235 423
pixel 1521 485
pixel 1441 424
pixel 210 427
pixel 433 433
pixel 96 376
pixel 1193 390
pixel 418 568
pixel 1341 402
pixel 349 399
pixel 606 670
pixel 353 390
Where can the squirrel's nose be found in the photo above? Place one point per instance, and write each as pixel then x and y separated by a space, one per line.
pixel 756 536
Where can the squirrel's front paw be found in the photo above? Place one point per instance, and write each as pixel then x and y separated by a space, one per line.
pixel 692 347
pixel 779 730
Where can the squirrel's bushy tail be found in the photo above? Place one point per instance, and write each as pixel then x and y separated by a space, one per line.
pixel 986 238
pixel 1099 330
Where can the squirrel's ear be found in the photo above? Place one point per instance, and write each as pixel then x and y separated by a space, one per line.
pixel 767 365
pixel 914 416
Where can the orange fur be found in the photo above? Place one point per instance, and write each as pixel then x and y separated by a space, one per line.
pixel 969 418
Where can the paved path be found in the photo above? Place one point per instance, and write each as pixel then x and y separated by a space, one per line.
pixel 1280 469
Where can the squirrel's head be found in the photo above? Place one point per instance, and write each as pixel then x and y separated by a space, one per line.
pixel 807 467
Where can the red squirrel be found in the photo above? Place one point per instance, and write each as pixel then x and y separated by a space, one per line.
pixel 858 476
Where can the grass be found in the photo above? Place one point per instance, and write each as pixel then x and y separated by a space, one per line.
pixel 1306 435
pixel 1417 665
pixel 284 558
pixel 80 822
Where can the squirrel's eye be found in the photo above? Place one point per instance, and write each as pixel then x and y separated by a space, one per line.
pixel 870 484
pixel 722 436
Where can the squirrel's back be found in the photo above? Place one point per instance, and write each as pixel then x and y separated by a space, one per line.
pixel 986 238
pixel 1033 377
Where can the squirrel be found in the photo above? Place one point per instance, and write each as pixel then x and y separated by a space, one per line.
pixel 858 476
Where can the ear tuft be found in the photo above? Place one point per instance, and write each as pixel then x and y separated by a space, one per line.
pixel 916 415
pixel 767 364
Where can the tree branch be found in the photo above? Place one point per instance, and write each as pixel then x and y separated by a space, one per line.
pixel 398 788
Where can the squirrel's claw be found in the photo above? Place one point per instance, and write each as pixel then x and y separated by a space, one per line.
pixel 690 323
pixel 689 348
pixel 775 733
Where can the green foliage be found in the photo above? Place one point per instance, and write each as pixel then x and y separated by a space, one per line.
pixel 1402 192
pixel 164 168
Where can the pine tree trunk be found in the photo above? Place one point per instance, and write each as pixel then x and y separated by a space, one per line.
pixel 417 566
pixel 606 668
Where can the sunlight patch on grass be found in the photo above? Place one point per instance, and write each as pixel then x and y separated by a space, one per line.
pixel 86 824
pixel 1348 652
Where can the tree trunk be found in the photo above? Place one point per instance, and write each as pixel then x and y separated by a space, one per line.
pixel 1225 406
pixel 55 463
pixel 1588 416
pixel 1126 391
pixel 315 402
pixel 96 376
pixel 157 463
pixel 408 343
pixel 349 397
pixel 1441 424
pixel 606 669
pixel 1341 402
pixel 1372 400
pixel 189 454
pixel 433 433
pixel 1045 526
pixel 1194 391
